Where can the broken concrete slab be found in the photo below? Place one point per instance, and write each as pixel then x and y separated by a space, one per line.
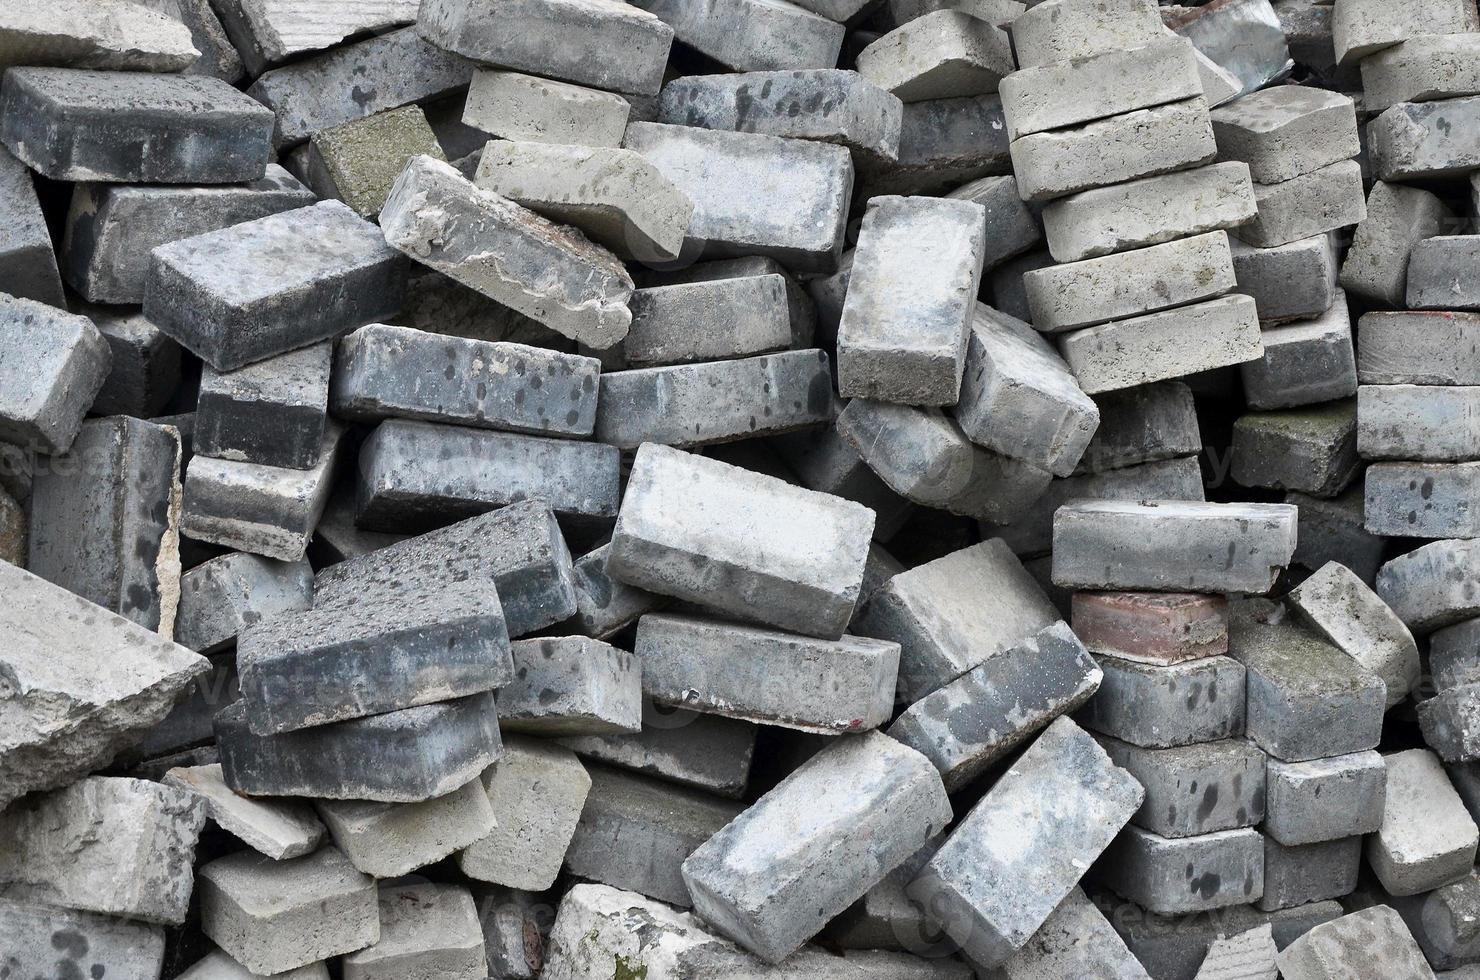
pixel 267 33
pixel 279 829
pixel 572 685
pixel 111 34
pixel 272 412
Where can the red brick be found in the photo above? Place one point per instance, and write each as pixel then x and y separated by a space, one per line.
pixel 1152 627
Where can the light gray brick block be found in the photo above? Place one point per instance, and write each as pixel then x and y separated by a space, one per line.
pixel 1286 131
pixel 1331 950
pixel 751 35
pixel 29 263
pixel 424 927
pixel 1398 218
pixel 1329 799
pixel 1294 281
pixel 942 54
pixel 1226 868
pixel 1365 27
pixel 1438 273
pixel 1417 348
pixel 514 106
pixel 1053 31
pixel 571 685
pixel 1420 140
pixel 1320 201
pixel 279 829
pixel 1163 706
pixel 54 364
pixel 1427 837
pixel 1422 68
pixel 1345 610
pixel 387 840
pixel 1422 500
pixel 1432 423
pixel 1433 586
pixel 1304 363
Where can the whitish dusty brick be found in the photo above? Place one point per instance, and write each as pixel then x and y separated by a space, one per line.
pixel 405 756
pixel 275 916
pixel 1288 130
pixel 604 44
pixel 1373 940
pixel 943 54
pixel 387 840
pixel 537 790
pixel 355 80
pixel 133 127
pixel 1066 30
pixel 1422 68
pixel 1175 876
pixel 978 718
pixel 1019 398
pixel 715 401
pixel 749 35
pixel 1098 86
pixel 765 676
pixel 117 948
pixel 1398 218
pixel 1149 211
pixel 52 366
pixel 105 844
pixel 875 802
pixel 1306 699
pixel 112 679
pixel 1418 348
pixel 1143 143
pixel 1324 799
pixel 1349 614
pixel 1080 294
pixel 1363 27
pixel 677 533
pixel 956 612
pixel 507 252
pixel 1152 627
pixel 1172 545
pixel 799 221
pixel 1152 347
pixel 1020 851
pixel 1421 140
pixel 279 829
pixel 616 196
pixel 572 686
pixel 513 106
pixel 425 929
pixel 852 110
pixel 1320 201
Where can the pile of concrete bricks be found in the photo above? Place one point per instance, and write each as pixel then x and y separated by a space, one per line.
pixel 776 489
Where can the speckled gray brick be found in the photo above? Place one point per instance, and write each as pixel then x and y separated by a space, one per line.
pixel 1431 423
pixel 133 127
pixel 1164 706
pixel 1298 874
pixel 875 802
pixel 750 35
pixel 118 948
pixel 1423 500
pixel 1420 348
pixel 396 372
pixel 1194 789
pixel 1053 31
pixel 1174 876
pixel 1345 610
pixel 1320 201
pixel 1424 140
pixel 1439 273
pixel 571 685
pixel 1433 586
pixel 1324 799
pixel 1304 363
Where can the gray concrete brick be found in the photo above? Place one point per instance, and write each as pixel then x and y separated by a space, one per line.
pixel 886 917
pixel 1398 218
pixel 1099 86
pixel 409 482
pixel 219 966
pixel 279 829
pixel 604 606
pixel 109 35
pixel 1345 610
pixel 1306 699
pixel 1174 876
pixel 133 127
pixel 28 266
pixel 1194 789
pixel 973 721
pixel 405 756
pixel 1143 143
pixel 1012 226
pixel 876 802
pixel 585 300
pixel 1312 449
pixel 145 369
pixel 1422 500
pixel 387 840
pixel 715 401
pixel 942 143
pixel 52 365
pixel 942 54
pixel 1294 281
pixel 954 613
pixel 1452 655
pixel 794 561
pixel 1304 363
pixel 1328 799
pixel 1304 873
pixel 1373 939
pixel 218 56
pixel 1422 68
pixel 119 948
pixel 519 548
pixel 824 460
pixel 636 832
pixel 271 412
pixel 1175 946
pixel 1449 723
pixel 266 510
pixel 1066 30
pixel 1443 924
pixel 1113 287
pixel 1432 586
pixel 853 111
pixel 604 45
pixel 1320 201
pixel 1156 706
pixel 266 34
pixel 923 455
pixel 750 35
pixel 1141 349
pixel 710 320
pixel 993 899
pixel 1144 424
pixel 105 844
pixel 1417 140
pixel 704 751
pixel 424 928
pixel 326 90
pixel 800 223
pixel 765 676
pixel 1419 422
pixel 515 106
pixel 105 520
pixel 572 685
pixel 1417 348
pixel 1332 530
pixel 1365 27
pixel 1286 131
pixel 1075 940
pixel 1438 273
pixel 275 916
pixel 1172 545
pixel 1149 211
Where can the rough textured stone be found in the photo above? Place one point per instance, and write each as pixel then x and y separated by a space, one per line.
pixel 357 161
pixel 279 829
pixel 1398 218
pixel 1363 27
pixel 1433 586
pixel 86 683
pixel 1320 201
pixel 387 840
pixel 111 34
pixel 1423 140
pixel 1020 851
pixel 425 929
pixel 978 718
pixel 751 35
pixel 1312 449
pixel 1065 30
pixel 1418 348
pixel 266 32
pixel 1226 868
pixel 866 796
pixel 942 54
pixel 800 219
pixel 572 686
pixel 133 127
pixel 1373 940
pixel 274 916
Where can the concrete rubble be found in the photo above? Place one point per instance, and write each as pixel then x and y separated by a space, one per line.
pixel 745 489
